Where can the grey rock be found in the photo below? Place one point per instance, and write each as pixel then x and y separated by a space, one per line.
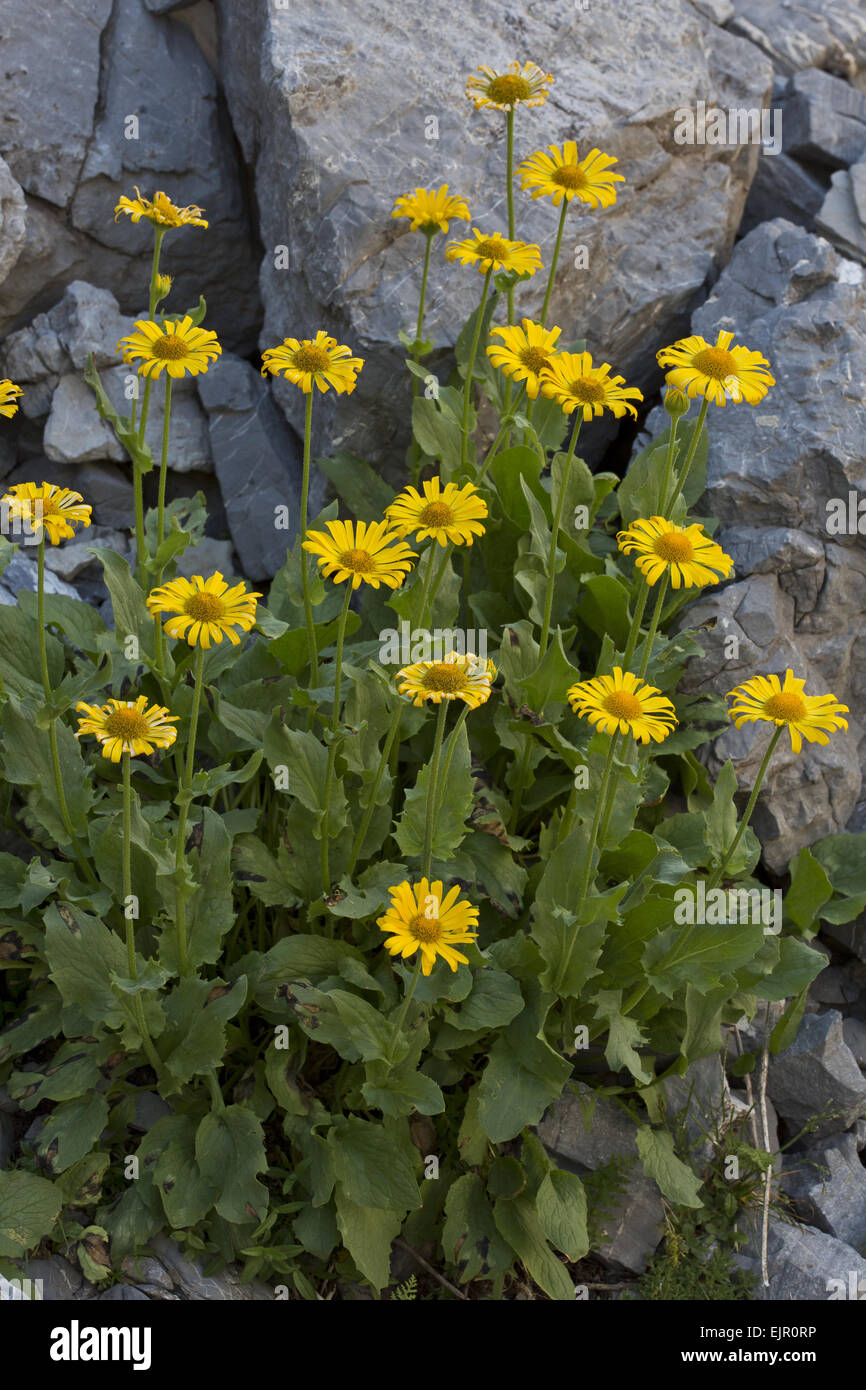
pixel 74 432
pixel 61 1281
pixel 107 490
pixel 22 573
pixel 854 1033
pixel 834 986
pixel 73 558
pixel 808 34
pixel 205 558
pixel 701 1098
pixel 719 11
pixel 840 217
pixel 7 1139
pixel 51 91
pixel 818 1072
pixel 144 1269
pixel 327 195
pixel 828 1187
pixel 634 1225
pixel 86 319
pixel 123 1293
pixel 189 443
pixel 168 6
pixel 805 1264
pixel 824 120
pixel 256 457
pixel 154 70
pixel 851 935
pixel 193 1285
pixel 859 1132
pixel 13 220
pixel 782 188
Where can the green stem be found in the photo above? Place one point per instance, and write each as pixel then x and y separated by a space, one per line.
pixel 433 791
pixel 509 191
pixel 747 815
pixel 425 589
pixel 449 754
pixel 185 798
pixel 146 1040
pixel 503 431
pixel 636 620
pixel 420 328
pixel 520 784
pixel 551 559
pixel 312 654
pixel 654 623
pixel 163 465
pixel 427 613
pixel 137 482
pixel 669 466
pixel 470 366
pixel 588 867
pixel 384 758
pixel 401 1019
pixel 158 234
pixel 553 264
pixel 216 1094
pixel 332 748
pixel 687 464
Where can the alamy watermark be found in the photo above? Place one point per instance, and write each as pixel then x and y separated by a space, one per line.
pixel 407 645
pixel 738 125
pixel 722 907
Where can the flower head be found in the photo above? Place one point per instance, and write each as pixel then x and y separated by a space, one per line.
pixel 718 371
pixel 364 552
pixel 571 379
pixel 161 211
pixel 431 210
pixel 524 352
pixel 163 287
pixel 448 513
pixel 58 509
pixel 205 610
pixel 421 919
pixel 9 394
pixel 128 726
pixel 522 84
pixel 623 703
pixel 495 252
pixel 458 676
pixel 686 553
pixel 813 717
pixel 178 347
pixel 318 361
pixel 561 174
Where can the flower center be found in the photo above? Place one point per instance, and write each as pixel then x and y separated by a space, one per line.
pixel 437 514
pixel 674 547
pixel 583 389
pixel 508 89
pixel 535 358
pixel 444 677
pixel 359 561
pixel 569 176
pixel 127 724
pixel 312 359
pixel 786 705
pixel 170 348
pixel 425 928
pixel 715 362
pixel 622 705
pixel 491 248
pixel 204 607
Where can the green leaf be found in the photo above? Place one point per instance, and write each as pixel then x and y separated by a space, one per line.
pixel 545 690
pixel 470 1238
pixel 523 1074
pixel 506 1177
pixel 371 1168
pixel 437 434
pixel 359 487
pixel 258 870
pixel 455 805
pixel 197 1010
pixel 131 616
pixel 71 1131
pixel 230 1151
pixel 603 608
pixel 675 1179
pixel 700 955
pixel 186 1195
pixel 721 817
pixel 29 1207
pixel 797 968
pixel 400 1090
pixel 519 1224
pixel 210 910
pixel 306 759
pixel 843 858
pixel 785 1031
pixel 27 763
pixel 368 1233
pixel 561 1207
pixel 494 1000
pixel 624 1037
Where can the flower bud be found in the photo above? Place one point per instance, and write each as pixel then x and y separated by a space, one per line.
pixel 676 402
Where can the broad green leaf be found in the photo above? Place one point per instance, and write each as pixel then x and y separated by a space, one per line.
pixel 797 968
pixel 131 616
pixel 371 1167
pixel 454 806
pixel 843 858
pixel 624 1037
pixel 27 762
pixel 561 1207
pixel 523 1074
pixel 470 1239
pixel 258 870
pixel 675 1179
pixel 71 1131
pixel 360 488
pixel 29 1207
pixel 186 1195
pixel 603 608
pixel 701 955
pixel 230 1151
pixel 518 1222
pixel 494 1000
pixel 197 1011
pixel 305 758
pixel 368 1234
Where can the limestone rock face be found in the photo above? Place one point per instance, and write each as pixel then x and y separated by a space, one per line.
pixel 332 152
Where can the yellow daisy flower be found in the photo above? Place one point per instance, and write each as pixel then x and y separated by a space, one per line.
pixel 623 703
pixel 686 552
pixel 58 509
pixel 717 371
pixel 128 726
pixel 495 251
pixel 361 551
pixel 308 361
pixel 561 174
pixel 524 352
pixel 9 394
pixel 431 209
pixel 457 677
pixel 813 717
pixel 522 84
pixel 178 347
pixel 447 514
pixel 420 918
pixel 572 381
pixel 206 609
pixel 161 211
